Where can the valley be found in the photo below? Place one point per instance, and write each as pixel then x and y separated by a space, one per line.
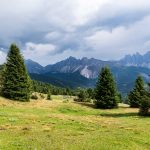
pixel 83 72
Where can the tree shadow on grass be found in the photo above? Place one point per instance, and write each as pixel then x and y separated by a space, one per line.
pixel 119 115
pixel 91 105
pixel 109 114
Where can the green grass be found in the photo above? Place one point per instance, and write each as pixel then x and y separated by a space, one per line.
pixel 65 125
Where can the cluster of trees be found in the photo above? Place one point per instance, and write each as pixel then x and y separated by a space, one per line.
pixel 139 97
pixel 108 97
pixel 44 88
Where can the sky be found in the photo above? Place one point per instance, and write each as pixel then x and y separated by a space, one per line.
pixel 48 31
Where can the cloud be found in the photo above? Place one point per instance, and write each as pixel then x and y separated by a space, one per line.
pixel 38 52
pixel 2 57
pixel 121 40
pixel 48 31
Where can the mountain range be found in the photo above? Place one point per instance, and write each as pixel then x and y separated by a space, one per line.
pixel 136 60
pixel 73 72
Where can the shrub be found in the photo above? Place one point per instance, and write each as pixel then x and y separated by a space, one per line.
pixel 82 96
pixel 42 96
pixel 34 96
pixel 49 95
pixel 66 101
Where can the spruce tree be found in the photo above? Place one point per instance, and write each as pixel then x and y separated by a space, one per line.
pixel 105 92
pixel 145 103
pixel 16 82
pixel 145 106
pixel 137 93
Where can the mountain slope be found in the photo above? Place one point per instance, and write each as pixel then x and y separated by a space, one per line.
pixel 72 80
pixel 124 76
pixel 88 68
pixel 34 67
pixel 83 72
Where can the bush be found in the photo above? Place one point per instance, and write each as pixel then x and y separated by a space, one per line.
pixel 88 100
pixel 42 96
pixel 82 96
pixel 34 96
pixel 77 99
pixel 66 101
pixel 49 95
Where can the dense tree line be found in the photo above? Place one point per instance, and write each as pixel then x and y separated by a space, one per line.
pixel 44 88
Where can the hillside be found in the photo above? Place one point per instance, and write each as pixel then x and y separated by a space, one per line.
pixel 125 77
pixel 73 72
pixel 72 80
pixel 41 124
pixel 88 68
pixel 34 67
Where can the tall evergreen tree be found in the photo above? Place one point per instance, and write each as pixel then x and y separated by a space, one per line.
pixel 145 103
pixel 105 92
pixel 16 82
pixel 137 93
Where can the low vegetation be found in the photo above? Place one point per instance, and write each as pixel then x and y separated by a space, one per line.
pixel 45 121
pixel 65 124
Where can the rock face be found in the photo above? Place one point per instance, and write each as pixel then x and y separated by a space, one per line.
pixel 88 68
pixel 136 60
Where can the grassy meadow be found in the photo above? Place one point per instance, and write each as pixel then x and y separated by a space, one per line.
pixel 62 124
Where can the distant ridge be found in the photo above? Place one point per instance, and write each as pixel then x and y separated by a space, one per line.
pixel 73 72
pixel 89 68
pixel 136 60
pixel 34 67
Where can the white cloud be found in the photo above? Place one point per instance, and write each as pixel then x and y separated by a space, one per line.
pixel 38 52
pixel 121 40
pixel 2 57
